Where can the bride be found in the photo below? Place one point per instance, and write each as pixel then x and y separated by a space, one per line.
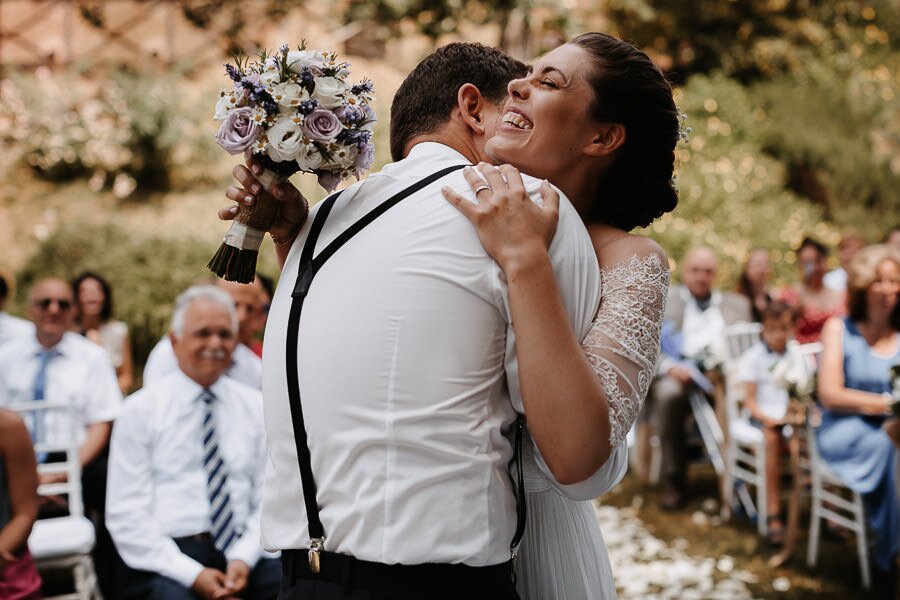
pixel 597 118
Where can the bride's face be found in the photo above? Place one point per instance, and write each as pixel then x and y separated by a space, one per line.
pixel 545 125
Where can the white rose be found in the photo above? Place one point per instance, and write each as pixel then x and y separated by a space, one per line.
pixel 285 140
pixel 297 59
pixel 289 94
pixel 270 76
pixel 329 91
pixel 309 158
pixel 227 101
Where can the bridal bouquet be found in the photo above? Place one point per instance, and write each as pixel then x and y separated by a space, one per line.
pixel 293 111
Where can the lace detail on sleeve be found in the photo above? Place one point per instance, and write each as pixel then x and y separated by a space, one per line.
pixel 623 343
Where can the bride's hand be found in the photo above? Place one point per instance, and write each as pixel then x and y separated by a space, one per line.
pixel 292 209
pixel 512 228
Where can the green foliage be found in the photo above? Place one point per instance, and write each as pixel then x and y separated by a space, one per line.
pixel 751 39
pixel 733 196
pixel 126 133
pixel 146 273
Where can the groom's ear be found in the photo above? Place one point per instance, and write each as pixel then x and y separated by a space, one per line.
pixel 471 104
pixel 608 138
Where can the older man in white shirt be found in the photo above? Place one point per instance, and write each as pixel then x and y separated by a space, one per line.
pixel 407 374
pixel 246 366
pixel 186 464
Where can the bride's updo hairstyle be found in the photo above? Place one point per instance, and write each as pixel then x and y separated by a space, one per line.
pixel 629 89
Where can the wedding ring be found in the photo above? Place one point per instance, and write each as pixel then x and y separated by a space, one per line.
pixel 481 188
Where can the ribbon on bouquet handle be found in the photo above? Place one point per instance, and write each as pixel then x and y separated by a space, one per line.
pixel 235 260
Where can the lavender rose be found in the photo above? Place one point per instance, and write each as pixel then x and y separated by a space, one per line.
pixel 238 131
pixel 364 159
pixel 321 125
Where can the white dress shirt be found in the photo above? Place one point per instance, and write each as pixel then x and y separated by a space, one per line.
pixel 702 328
pixel 157 485
pixel 407 375
pixel 246 366
pixel 755 366
pixel 81 374
pixel 13 328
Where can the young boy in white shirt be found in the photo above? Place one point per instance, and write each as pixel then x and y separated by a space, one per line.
pixel 767 402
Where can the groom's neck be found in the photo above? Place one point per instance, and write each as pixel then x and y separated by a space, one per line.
pixel 466 145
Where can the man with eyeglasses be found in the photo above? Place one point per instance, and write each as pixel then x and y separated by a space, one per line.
pixel 56 364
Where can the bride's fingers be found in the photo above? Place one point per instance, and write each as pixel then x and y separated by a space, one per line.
pixel 240 195
pixel 474 180
pixel 494 178
pixel 550 199
pixel 228 213
pixel 513 181
pixel 468 209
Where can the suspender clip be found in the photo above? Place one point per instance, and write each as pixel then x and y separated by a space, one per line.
pixel 315 548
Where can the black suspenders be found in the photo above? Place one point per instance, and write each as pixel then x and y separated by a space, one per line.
pixel 309 266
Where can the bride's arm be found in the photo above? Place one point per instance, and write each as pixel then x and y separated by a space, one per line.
pixel 574 416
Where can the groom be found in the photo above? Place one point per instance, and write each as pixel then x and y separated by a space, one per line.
pixel 406 363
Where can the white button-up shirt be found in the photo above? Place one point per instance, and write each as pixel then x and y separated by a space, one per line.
pixel 407 375
pixel 80 374
pixel 14 328
pixel 157 485
pixel 246 366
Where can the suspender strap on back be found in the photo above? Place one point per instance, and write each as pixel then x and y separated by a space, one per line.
pixel 309 266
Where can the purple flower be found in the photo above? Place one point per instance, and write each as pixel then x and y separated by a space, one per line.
pixel 350 113
pixel 238 131
pixel 321 125
pixel 233 72
pixel 329 180
pixel 364 159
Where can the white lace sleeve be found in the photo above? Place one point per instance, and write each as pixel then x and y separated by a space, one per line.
pixel 623 343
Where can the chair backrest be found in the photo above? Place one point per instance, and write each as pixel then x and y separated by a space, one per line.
pixel 739 337
pixel 64 444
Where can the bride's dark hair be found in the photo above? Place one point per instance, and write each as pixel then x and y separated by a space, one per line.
pixel 629 89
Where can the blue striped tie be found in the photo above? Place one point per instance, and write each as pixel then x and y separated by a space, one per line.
pixel 223 529
pixel 39 393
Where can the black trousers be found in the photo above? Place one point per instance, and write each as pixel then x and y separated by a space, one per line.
pixel 361 580
pixel 263 583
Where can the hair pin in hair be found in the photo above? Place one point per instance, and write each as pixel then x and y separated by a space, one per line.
pixel 684 132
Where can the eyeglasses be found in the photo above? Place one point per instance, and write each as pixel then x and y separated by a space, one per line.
pixel 44 303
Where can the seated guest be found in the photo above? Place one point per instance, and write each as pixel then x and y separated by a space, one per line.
pixel 11 327
pixel 186 467
pixel 850 244
pixel 267 289
pixel 57 364
pixel 695 320
pixel 767 403
pixel 815 303
pixel 753 281
pixel 854 390
pixel 93 297
pixel 18 509
pixel 246 366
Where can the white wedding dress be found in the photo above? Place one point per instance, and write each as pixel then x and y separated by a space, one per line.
pixel 562 555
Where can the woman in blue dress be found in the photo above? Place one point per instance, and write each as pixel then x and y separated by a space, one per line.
pixel 854 390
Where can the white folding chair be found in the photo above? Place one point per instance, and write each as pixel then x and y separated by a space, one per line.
pixel 829 501
pixel 62 542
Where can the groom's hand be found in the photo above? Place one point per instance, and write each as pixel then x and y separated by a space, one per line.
pixel 293 207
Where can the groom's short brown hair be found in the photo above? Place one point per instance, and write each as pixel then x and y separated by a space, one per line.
pixel 428 93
